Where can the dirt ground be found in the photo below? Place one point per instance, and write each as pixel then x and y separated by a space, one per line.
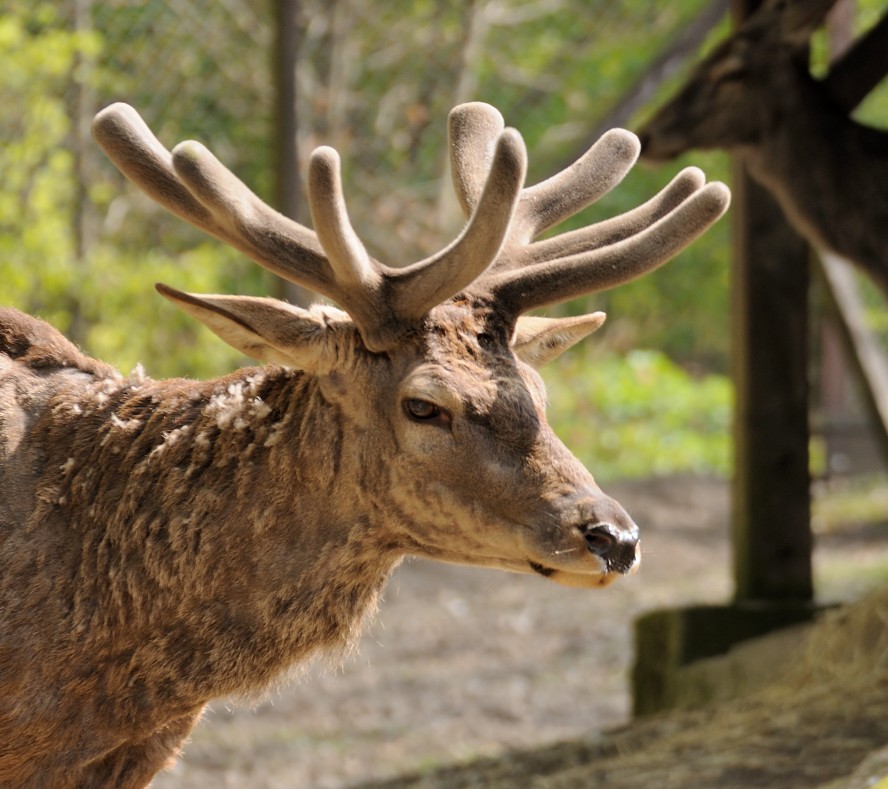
pixel 463 663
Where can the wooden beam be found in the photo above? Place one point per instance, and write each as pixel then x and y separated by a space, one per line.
pixel 771 489
pixel 866 354
pixel 673 57
pixel 862 67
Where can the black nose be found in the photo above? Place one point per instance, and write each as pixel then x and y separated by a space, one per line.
pixel 618 548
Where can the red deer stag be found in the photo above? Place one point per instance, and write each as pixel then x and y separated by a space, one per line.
pixel 754 95
pixel 163 543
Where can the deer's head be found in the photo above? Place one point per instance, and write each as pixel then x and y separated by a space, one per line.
pixel 736 96
pixel 431 366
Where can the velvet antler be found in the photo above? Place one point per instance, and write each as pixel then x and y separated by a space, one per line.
pixel 191 183
pixel 496 253
pixel 528 274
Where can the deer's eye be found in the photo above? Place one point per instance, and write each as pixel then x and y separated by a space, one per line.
pixel 423 411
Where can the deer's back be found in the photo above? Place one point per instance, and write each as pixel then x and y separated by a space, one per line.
pixel 37 346
pixel 35 362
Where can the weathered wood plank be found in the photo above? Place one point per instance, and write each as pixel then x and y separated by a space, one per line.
pixel 866 353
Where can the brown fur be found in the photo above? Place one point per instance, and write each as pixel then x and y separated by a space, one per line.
pixel 164 543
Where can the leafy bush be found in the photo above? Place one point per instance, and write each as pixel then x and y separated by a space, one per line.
pixel 640 414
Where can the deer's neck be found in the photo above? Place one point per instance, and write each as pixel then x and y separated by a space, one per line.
pixel 218 514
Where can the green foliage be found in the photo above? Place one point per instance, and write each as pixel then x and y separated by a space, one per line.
pixel 146 327
pixel 640 414
pixel 37 243
pixel 103 298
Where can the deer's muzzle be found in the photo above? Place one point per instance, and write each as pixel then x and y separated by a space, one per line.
pixel 616 547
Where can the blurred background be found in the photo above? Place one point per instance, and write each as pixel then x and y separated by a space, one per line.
pixel 263 83
pixel 81 248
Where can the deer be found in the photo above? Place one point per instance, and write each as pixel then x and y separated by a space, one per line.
pixel 167 542
pixel 754 96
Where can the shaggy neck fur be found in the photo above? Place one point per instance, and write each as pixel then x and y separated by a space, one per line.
pixel 162 481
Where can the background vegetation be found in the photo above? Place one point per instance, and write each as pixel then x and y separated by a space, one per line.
pixel 81 248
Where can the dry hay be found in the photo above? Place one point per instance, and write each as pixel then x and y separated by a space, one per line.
pixel 810 729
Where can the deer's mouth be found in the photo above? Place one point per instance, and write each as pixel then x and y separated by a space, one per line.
pixel 540 569
pixel 567 578
pixel 592 554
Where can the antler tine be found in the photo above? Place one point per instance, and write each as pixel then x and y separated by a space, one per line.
pixel 139 155
pixel 529 274
pixel 346 274
pixel 473 130
pixel 194 185
pixel 351 264
pixel 564 194
pixel 384 302
pixel 472 253
pixel 610 231
pixel 558 280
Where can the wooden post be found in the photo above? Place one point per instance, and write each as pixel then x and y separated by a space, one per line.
pixel 289 198
pixel 771 493
pixel 771 488
pixel 771 506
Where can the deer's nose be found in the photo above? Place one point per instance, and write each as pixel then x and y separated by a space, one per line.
pixel 616 547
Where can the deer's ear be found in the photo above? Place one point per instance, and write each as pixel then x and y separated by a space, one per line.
pixel 265 329
pixel 540 340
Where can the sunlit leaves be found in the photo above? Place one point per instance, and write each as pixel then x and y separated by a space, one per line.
pixel 36 167
pixel 634 415
pixel 146 328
